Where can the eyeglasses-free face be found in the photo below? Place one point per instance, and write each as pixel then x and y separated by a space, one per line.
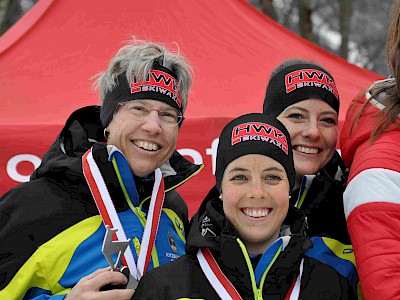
pixel 169 116
pixel 255 198
pixel 313 129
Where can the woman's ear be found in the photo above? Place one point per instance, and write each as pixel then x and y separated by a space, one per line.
pixel 106 133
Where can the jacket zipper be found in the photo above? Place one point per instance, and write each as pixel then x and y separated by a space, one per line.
pixel 136 243
pixel 256 291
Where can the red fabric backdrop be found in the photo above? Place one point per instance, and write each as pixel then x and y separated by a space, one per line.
pixel 48 59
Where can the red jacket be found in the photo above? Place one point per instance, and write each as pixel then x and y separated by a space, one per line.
pixel 372 201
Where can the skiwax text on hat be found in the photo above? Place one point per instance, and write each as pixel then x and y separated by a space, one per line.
pixel 254 133
pixel 294 81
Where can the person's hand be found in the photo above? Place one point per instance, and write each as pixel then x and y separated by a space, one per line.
pixel 89 287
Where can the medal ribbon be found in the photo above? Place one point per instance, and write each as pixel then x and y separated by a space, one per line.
pixel 294 291
pixel 224 287
pixel 110 217
pixel 217 279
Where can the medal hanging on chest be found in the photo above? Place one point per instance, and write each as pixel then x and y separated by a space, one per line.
pixel 110 217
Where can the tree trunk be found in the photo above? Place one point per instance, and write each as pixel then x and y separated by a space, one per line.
pixel 305 22
pixel 4 7
pixel 268 9
pixel 346 10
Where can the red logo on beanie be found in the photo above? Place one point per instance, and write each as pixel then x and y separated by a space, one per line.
pixel 310 78
pixel 159 82
pixel 257 131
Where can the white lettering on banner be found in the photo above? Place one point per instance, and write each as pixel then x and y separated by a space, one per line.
pixel 15 160
pixel 213 152
pixel 35 160
pixel 195 155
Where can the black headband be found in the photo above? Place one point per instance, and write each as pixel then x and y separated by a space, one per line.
pixel 299 82
pixel 254 134
pixel 160 84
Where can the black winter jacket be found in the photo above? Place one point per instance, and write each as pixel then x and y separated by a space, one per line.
pixel 184 278
pixel 57 200
pixel 320 197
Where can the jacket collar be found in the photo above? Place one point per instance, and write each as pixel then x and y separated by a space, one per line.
pixel 83 130
pixel 210 228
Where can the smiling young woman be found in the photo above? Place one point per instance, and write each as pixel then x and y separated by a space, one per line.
pixel 235 248
pixel 313 127
pixel 304 97
pixel 254 194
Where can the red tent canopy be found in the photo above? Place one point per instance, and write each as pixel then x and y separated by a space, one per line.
pixel 48 59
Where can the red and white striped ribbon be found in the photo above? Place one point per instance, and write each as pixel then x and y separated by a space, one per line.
pixel 110 217
pixel 153 220
pixel 217 279
pixel 224 287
